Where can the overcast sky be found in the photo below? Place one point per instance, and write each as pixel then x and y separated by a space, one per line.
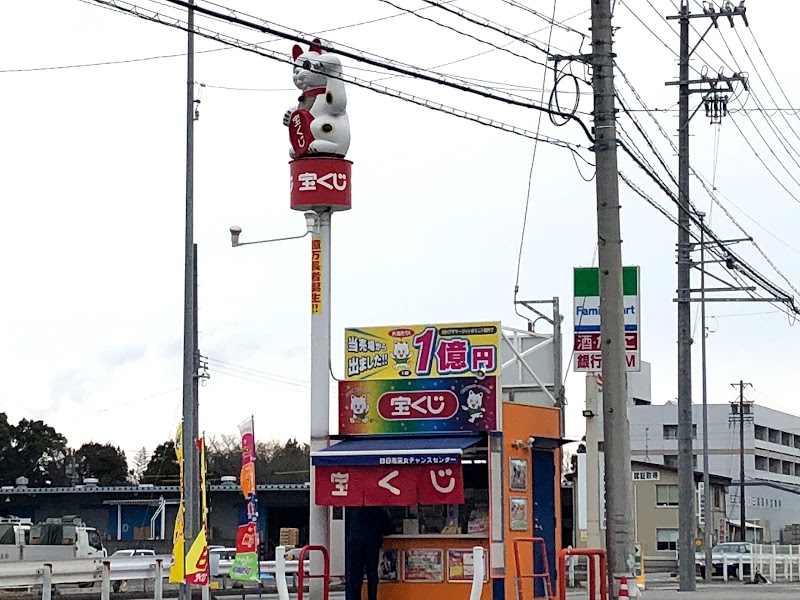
pixel 93 207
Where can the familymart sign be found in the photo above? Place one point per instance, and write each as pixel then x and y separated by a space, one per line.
pixel 586 316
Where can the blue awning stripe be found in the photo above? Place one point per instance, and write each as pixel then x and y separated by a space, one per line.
pixel 395 450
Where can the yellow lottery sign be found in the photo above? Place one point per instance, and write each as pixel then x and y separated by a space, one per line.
pixel 423 351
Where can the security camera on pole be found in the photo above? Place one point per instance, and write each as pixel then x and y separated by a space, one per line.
pixel 319 132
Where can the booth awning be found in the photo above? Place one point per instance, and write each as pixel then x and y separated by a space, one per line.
pixel 391 471
pixel 416 450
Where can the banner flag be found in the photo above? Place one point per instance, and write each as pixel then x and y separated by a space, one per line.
pixel 245 565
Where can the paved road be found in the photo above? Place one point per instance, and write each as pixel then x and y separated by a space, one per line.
pixel 729 591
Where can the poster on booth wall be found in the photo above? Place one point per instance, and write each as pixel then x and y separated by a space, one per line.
pixel 388 565
pixel 519 514
pixel 423 565
pixel 422 351
pixel 443 404
pixel 460 564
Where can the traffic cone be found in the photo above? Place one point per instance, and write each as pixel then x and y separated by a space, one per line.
pixel 623 587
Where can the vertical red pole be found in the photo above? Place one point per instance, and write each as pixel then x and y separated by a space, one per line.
pixel 562 581
pixel 603 576
pixel 592 577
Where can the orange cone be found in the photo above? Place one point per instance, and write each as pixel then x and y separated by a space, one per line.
pixel 623 587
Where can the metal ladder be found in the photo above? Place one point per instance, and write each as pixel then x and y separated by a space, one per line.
pixel 545 575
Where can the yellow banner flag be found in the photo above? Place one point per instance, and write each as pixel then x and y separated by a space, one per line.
pixel 177 572
pixel 197 567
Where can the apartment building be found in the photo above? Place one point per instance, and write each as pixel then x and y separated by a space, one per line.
pixel 771 451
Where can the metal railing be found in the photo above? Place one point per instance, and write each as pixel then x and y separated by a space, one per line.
pixel 29 574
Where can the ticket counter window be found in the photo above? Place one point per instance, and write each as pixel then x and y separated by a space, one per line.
pixel 471 517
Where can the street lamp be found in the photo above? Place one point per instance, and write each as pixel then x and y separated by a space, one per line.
pixel 312 226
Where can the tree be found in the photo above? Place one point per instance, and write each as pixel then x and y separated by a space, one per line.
pixel 103 461
pixel 34 450
pixel 163 468
pixel 223 457
pixel 139 465
pixel 285 463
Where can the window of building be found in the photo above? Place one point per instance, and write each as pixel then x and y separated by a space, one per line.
pixel 787 468
pixel 786 439
pixel 666 495
pixel 762 464
pixel 774 436
pixel 666 539
pixel 671 460
pixel 761 433
pixel 717 498
pixel 670 432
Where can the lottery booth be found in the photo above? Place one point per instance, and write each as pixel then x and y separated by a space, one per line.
pixel 455 430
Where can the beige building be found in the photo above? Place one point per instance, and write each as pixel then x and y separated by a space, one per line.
pixel 655 488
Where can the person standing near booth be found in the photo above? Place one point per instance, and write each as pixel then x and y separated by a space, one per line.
pixel 366 527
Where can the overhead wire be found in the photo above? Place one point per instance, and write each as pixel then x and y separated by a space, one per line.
pixel 208 51
pixel 530 174
pixel 552 21
pixel 711 190
pixel 468 35
pixel 345 51
pixel 138 12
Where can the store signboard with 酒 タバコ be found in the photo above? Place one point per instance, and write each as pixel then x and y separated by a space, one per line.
pixel 586 316
pixel 432 405
pixel 423 351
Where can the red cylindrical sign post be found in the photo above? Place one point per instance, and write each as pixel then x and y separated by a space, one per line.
pixel 320 183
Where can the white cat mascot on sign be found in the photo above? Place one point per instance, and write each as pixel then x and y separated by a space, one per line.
pixel 319 123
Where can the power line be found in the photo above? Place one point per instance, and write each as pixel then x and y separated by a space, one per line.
pixel 712 191
pixel 465 34
pixel 371 85
pixel 481 21
pixel 349 52
pixel 183 54
pixel 530 171
pixel 551 21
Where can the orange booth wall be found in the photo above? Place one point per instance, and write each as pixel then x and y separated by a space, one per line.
pixel 521 422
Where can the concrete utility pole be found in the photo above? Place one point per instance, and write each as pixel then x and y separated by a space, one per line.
pixel 739 415
pixel 686 528
pixel 616 430
pixel 190 417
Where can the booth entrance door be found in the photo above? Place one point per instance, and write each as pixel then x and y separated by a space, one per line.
pixel 543 502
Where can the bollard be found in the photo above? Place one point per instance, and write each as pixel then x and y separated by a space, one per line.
pixel 158 586
pixel 478 564
pixel 205 593
pixel 105 583
pixel 572 571
pixel 47 581
pixel 280 573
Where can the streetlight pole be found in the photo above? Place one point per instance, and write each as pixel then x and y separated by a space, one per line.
pixel 708 525
pixel 190 410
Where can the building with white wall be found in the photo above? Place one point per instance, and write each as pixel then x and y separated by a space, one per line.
pixel 771 450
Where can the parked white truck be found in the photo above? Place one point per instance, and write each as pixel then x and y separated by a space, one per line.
pixel 54 539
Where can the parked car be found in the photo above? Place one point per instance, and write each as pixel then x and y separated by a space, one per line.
pixel 727 551
pixel 119 585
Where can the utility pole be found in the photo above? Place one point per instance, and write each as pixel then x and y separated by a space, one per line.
pixel 190 412
pixel 738 414
pixel 616 430
pixel 686 514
